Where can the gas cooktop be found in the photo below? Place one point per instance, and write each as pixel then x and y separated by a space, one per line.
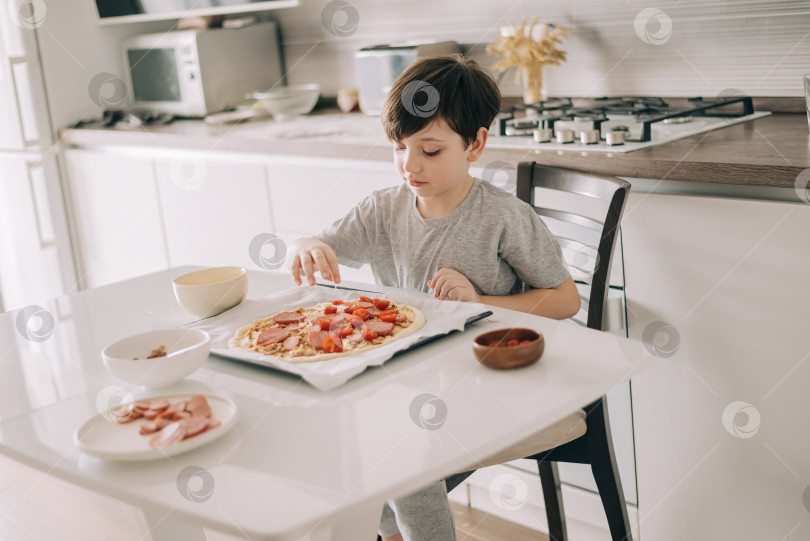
pixel 621 124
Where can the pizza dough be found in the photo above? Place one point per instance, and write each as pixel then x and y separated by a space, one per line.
pixel 329 330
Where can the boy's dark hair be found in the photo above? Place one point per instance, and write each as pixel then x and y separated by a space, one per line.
pixel 454 88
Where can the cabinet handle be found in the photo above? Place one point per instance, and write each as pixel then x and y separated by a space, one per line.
pixel 13 61
pixel 43 242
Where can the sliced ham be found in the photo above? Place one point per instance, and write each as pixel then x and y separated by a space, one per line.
pixel 286 318
pixel 127 413
pixel 159 405
pixel 198 406
pixel 380 327
pixel 373 312
pixel 365 305
pixel 272 336
pixel 148 428
pixel 173 433
pixel 194 426
pixel 316 338
pixel 291 342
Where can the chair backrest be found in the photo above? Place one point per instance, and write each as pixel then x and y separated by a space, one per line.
pixel 585 218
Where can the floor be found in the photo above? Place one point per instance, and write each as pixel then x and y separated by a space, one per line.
pixel 37 507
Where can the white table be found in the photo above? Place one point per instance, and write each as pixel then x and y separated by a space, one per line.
pixel 300 462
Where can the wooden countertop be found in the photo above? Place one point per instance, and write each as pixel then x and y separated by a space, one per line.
pixel 766 152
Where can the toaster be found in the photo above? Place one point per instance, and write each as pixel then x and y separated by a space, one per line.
pixel 378 67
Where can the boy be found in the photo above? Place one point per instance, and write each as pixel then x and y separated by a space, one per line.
pixel 443 230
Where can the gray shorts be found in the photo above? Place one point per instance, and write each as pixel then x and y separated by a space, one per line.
pixel 424 515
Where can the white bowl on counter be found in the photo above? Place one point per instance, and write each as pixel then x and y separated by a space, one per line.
pixel 185 350
pixel 208 292
pixel 288 101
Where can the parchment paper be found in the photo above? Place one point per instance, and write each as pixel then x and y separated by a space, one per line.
pixel 441 318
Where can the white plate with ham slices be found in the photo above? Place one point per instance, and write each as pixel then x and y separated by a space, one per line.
pixel 131 432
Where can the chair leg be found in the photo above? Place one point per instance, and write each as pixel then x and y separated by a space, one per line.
pixel 552 495
pixel 606 475
pixel 610 490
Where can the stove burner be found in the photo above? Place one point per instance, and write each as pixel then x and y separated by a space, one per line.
pixel 524 119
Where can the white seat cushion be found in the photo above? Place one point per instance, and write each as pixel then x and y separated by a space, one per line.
pixel 568 429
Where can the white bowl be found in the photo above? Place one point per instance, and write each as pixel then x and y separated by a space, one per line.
pixel 208 292
pixel 186 351
pixel 287 101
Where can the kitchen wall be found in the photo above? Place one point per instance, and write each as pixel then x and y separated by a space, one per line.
pixel 685 48
pixel 82 61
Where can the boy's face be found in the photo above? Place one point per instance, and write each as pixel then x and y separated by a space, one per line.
pixel 434 161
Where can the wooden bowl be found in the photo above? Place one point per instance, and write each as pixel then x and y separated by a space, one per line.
pixel 503 356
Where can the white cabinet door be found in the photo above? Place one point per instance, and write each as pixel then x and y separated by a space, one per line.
pixel 718 288
pixel 116 216
pixel 309 194
pixel 212 209
pixel 35 260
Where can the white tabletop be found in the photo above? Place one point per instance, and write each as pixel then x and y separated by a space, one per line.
pixel 299 461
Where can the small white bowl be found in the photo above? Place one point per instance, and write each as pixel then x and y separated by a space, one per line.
pixel 208 292
pixel 288 101
pixel 186 351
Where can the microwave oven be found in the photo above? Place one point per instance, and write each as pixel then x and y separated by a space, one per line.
pixel 192 73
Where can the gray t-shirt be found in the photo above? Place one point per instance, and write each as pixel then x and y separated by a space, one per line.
pixel 493 238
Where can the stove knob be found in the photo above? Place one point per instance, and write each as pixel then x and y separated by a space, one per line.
pixel 542 135
pixel 589 137
pixel 615 138
pixel 565 136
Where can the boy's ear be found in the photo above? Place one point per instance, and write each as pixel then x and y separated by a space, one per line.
pixel 476 148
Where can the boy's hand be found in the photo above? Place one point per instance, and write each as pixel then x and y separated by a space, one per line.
pixel 309 255
pixel 452 285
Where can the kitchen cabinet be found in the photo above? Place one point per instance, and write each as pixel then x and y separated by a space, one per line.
pixel 31 268
pixel 309 194
pixel 717 287
pixel 212 208
pixel 118 225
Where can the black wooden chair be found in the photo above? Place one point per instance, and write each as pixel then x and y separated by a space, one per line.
pixel 588 245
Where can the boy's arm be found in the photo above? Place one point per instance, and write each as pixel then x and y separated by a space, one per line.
pixel 308 255
pixel 560 302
